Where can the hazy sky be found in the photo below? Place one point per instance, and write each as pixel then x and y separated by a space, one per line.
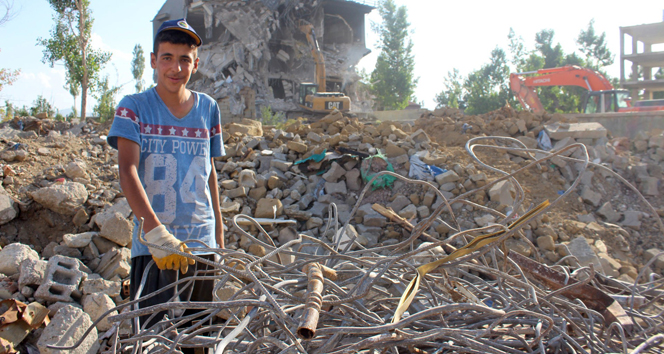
pixel 446 35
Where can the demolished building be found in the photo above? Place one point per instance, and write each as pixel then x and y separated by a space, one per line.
pixel 254 54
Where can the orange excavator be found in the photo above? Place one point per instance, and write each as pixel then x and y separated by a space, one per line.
pixel 602 97
pixel 314 96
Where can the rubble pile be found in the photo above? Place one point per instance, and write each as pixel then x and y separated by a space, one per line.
pixel 256 55
pixel 66 231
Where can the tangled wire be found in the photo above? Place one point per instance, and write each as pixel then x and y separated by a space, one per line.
pixel 313 296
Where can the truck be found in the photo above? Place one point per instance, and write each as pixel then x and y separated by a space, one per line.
pixel 601 97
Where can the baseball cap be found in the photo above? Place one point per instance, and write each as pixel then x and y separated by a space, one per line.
pixel 180 25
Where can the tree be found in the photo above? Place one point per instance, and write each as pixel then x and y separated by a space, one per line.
pixel 41 105
pixel 7 76
pixel 452 94
pixel 594 47
pixel 487 88
pixel 70 43
pixel 518 51
pixel 105 95
pixel 138 66
pixel 392 79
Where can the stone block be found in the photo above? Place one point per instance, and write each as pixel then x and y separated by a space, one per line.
pixel 268 208
pixel 546 243
pixel 590 197
pixel 446 177
pixel 632 220
pixel 408 212
pixel 13 255
pixel 589 130
pixel 121 206
pixel 485 220
pixel 118 229
pixel 298 147
pixel 334 173
pixel 61 280
pixel 66 328
pixel 399 203
pixel 353 180
pixel 423 211
pixel 8 210
pixel 339 187
pixel 608 213
pixel 502 192
pixel 580 249
pixel 247 178
pixel 654 252
pixel 650 186
pixel 117 261
pixel 32 272
pixel 95 305
pixel 63 198
pixel 78 240
pixel 280 165
pixel 374 220
pixel 102 286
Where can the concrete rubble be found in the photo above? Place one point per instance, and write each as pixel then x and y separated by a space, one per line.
pixel 67 245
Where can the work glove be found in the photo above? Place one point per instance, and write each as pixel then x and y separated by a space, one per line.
pixel 164 259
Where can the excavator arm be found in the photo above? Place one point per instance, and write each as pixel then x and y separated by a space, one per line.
pixel 524 87
pixel 308 29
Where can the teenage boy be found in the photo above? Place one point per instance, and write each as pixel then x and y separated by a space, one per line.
pixel 167 138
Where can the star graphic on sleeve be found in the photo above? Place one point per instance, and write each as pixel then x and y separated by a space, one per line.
pixel 172 130
pixel 159 130
pixel 148 129
pixel 214 131
pixel 198 133
pixel 185 132
pixel 123 112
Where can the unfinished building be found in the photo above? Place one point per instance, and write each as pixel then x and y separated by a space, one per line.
pixel 254 54
pixel 643 58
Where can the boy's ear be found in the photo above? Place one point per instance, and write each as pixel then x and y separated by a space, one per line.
pixel 195 66
pixel 153 60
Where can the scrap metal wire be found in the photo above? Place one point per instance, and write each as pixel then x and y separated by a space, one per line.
pixel 479 303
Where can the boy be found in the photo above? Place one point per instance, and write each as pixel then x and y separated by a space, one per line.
pixel 167 138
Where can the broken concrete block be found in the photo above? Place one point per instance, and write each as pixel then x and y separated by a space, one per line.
pixel 408 212
pixel 7 287
pixel 66 328
pixel 632 220
pixel 76 169
pixel 580 249
pixel 116 261
pixel 118 229
pixel 8 210
pixel 95 305
pixel 423 211
pixel 247 179
pixel 502 192
pixel 63 198
pixel 393 150
pixel 32 272
pixel 248 127
pixel 280 165
pixel 654 252
pixel 78 240
pixel 650 186
pixel 61 280
pixel 268 208
pixel 399 203
pixel 339 187
pixel 297 146
pixel 485 220
pixel 121 206
pixel 374 220
pixel 608 213
pixel 353 180
pixel 590 130
pixel 239 192
pixel 13 255
pixel 334 173
pixel 590 197
pixel 546 243
pixel 102 286
pixel 447 177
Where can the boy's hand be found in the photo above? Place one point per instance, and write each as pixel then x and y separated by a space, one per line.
pixel 166 260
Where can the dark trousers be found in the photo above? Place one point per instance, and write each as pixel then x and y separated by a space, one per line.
pixel 158 279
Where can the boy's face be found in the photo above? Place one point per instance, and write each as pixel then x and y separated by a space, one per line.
pixel 174 63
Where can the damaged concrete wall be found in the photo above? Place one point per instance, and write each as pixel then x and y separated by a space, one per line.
pixel 254 52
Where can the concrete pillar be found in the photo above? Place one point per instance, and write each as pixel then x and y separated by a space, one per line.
pixel 622 55
pixel 647 72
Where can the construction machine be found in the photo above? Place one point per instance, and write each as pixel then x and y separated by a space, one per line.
pixel 314 96
pixel 602 97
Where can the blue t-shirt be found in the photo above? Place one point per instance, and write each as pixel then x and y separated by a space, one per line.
pixel 175 162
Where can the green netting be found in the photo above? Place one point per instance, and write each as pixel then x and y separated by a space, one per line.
pixel 368 172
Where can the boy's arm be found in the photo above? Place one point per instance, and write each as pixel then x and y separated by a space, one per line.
pixel 128 159
pixel 214 193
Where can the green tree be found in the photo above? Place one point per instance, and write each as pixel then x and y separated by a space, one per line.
pixel 487 88
pixel 105 95
pixel 138 66
pixel 594 47
pixel 452 94
pixel 518 51
pixel 41 105
pixel 393 80
pixel 70 43
pixel 7 76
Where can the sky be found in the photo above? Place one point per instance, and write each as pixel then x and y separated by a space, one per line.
pixel 445 35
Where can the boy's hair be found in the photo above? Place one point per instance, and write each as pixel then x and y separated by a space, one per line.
pixel 174 37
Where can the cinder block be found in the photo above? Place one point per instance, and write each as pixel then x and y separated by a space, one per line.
pixel 61 280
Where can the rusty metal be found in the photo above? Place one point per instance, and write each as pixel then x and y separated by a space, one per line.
pixel 481 302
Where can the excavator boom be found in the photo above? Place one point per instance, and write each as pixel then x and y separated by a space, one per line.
pixel 308 30
pixel 524 84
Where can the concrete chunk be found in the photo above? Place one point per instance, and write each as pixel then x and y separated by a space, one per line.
pixel 61 280
pixel 67 328
pixel 590 130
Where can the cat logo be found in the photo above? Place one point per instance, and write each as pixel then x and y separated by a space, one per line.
pixel 330 105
